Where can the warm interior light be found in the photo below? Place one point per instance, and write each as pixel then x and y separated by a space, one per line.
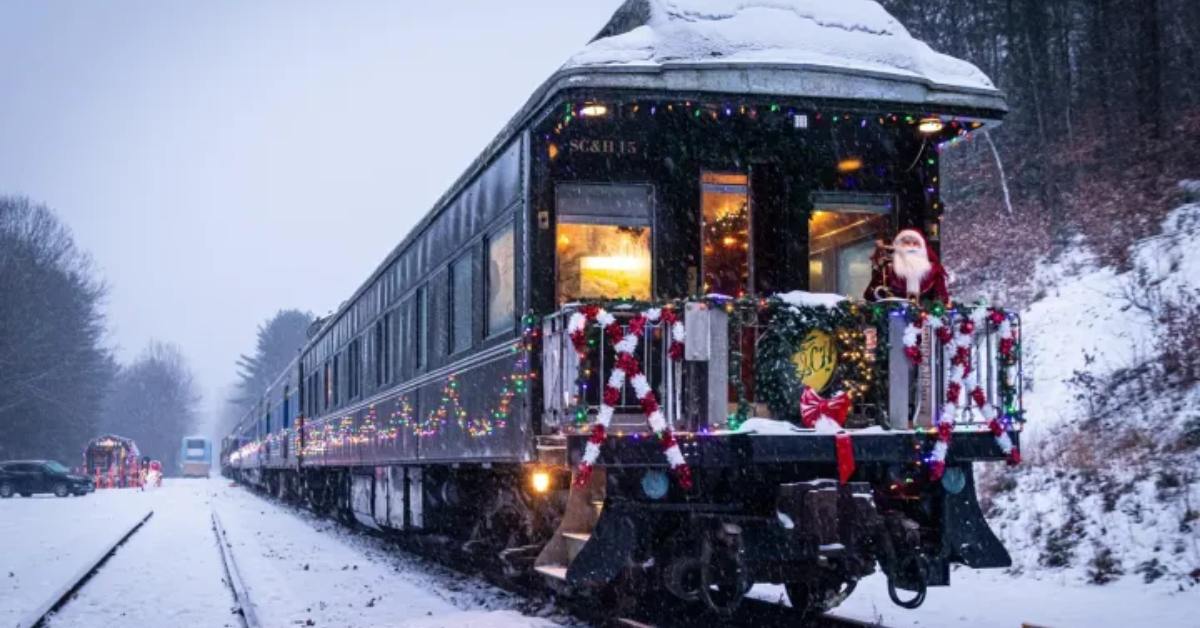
pixel 540 481
pixel 614 263
pixel 592 110
pixel 850 164
pixel 930 125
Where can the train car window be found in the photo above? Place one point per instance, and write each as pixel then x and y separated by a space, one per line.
pixel 420 328
pixel 725 210
pixel 501 281
pixel 461 306
pixel 842 231
pixel 287 408
pixel 328 383
pixel 354 369
pixel 399 331
pixel 604 241
pixel 379 350
pixel 338 358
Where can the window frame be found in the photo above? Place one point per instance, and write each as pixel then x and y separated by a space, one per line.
pixel 580 218
pixel 490 331
pixel 454 270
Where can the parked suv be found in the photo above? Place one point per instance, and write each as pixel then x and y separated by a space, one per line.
pixel 26 477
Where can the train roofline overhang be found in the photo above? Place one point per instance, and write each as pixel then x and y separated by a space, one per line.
pixel 782 80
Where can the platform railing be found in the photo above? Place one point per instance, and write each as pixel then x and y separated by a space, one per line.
pixel 699 393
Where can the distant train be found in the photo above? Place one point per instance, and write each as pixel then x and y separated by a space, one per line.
pixel 593 358
pixel 195 457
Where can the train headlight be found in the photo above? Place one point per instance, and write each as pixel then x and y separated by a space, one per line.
pixel 540 481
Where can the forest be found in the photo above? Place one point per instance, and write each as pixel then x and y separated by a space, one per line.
pixel 1104 99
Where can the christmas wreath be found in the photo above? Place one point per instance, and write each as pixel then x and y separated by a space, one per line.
pixel 777 382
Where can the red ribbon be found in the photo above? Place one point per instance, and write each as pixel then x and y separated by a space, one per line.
pixel 813 407
pixel 837 408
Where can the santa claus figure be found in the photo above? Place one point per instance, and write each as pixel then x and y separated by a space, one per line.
pixel 907 270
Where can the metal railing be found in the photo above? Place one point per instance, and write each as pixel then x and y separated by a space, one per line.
pixel 699 392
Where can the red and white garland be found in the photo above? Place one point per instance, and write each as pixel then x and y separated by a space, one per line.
pixel 627 366
pixel 912 339
pixel 958 339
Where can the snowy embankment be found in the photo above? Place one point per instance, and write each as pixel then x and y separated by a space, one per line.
pixel 299 570
pixel 1111 486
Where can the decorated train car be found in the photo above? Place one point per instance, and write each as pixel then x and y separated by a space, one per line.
pixel 112 461
pixel 681 324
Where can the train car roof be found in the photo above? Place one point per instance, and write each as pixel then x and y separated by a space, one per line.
pixel 850 50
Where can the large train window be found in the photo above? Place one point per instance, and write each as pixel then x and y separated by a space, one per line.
pixel 841 239
pixel 604 241
pixel 420 328
pixel 725 210
pixel 501 283
pixel 461 306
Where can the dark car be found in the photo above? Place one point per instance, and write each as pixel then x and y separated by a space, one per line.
pixel 26 477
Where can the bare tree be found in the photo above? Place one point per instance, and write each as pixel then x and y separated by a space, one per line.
pixel 154 401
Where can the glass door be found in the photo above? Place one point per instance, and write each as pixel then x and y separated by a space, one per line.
pixel 725 225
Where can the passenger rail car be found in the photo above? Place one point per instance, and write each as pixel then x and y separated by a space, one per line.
pixel 685 224
pixel 195 457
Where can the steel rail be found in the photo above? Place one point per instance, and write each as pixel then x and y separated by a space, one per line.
pixel 244 607
pixel 59 598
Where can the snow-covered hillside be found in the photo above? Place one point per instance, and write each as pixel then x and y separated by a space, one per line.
pixel 1111 488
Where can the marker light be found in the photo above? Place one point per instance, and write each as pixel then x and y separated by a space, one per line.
pixel 593 110
pixel 540 481
pixel 850 164
pixel 930 125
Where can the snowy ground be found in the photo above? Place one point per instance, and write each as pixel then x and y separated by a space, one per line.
pixel 300 571
pixel 305 571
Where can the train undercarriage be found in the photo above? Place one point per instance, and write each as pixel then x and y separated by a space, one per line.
pixel 764 509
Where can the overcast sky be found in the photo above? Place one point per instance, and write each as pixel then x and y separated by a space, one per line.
pixel 221 160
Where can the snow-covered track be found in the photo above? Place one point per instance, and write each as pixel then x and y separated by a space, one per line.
pixel 38 617
pixel 244 608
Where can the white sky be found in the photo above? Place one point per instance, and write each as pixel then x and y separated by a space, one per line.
pixel 221 160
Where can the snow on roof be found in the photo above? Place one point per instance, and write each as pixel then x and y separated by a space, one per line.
pixel 852 36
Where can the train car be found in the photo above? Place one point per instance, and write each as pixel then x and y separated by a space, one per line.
pixel 613 350
pixel 195 457
pixel 112 461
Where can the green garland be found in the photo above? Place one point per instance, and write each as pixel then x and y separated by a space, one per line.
pixel 776 382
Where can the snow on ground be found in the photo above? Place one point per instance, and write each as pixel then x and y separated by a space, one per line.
pixel 299 570
pixel 175 552
pixel 994 599
pixel 45 540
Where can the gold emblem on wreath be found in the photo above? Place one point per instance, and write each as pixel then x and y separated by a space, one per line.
pixel 816 360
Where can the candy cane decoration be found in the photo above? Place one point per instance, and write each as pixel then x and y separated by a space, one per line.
pixel 628 367
pixel 958 341
pixel 912 339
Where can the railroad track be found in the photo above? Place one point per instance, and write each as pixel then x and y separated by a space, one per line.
pixel 752 613
pixel 37 618
pixel 244 607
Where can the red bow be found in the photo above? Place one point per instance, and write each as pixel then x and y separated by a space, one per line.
pixel 837 407
pixel 813 407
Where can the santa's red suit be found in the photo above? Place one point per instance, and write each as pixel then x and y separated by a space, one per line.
pixel 888 278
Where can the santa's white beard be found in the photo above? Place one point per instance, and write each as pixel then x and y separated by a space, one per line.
pixel 913 266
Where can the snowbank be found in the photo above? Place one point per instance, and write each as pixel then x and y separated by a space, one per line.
pixel 1111 487
pixel 847 35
